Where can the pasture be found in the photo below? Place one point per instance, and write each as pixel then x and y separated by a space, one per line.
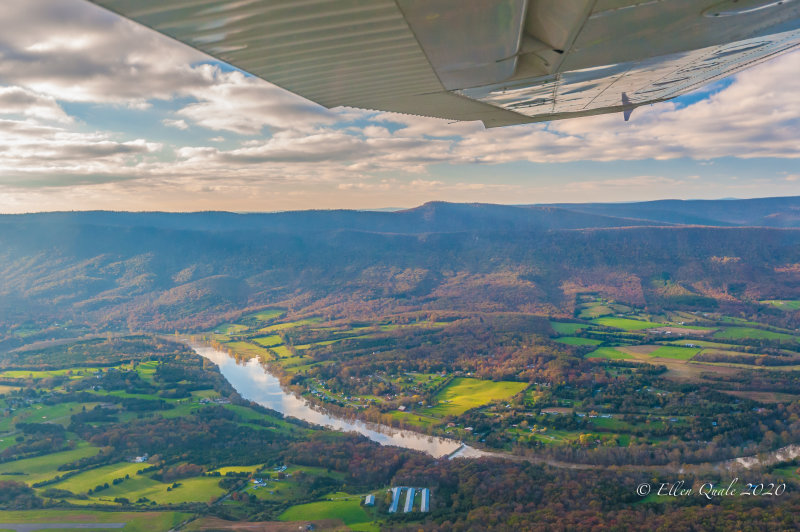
pixel 595 311
pixel 609 353
pixel 675 352
pixel 555 436
pixel 626 324
pixel 289 325
pixel 576 340
pixel 463 394
pixel 267 314
pixel 347 509
pixel 83 482
pixel 137 521
pixel 44 467
pixel 237 469
pixel 750 333
pixel 195 489
pixel 281 351
pixel 783 304
pixel 250 350
pixel 230 328
pixel 268 341
pixel 562 327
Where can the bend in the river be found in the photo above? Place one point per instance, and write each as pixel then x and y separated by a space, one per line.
pixel 253 382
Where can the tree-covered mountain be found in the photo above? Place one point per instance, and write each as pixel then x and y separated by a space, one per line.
pixel 760 212
pixel 166 270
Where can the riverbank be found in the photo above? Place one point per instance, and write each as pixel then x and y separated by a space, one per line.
pixel 256 383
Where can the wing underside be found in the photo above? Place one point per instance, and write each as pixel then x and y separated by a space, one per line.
pixel 499 61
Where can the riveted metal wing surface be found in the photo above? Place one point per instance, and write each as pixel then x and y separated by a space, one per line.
pixel 499 61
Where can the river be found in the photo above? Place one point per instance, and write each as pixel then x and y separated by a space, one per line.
pixel 255 383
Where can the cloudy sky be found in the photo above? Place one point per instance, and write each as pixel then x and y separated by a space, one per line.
pixel 99 113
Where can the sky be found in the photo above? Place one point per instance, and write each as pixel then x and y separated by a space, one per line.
pixel 97 112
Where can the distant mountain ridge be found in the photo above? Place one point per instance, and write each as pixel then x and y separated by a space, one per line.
pixel 443 217
pixel 434 217
pixel 168 271
pixel 759 212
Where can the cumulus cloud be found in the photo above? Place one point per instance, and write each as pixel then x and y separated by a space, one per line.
pixel 34 154
pixel 231 101
pixel 179 124
pixel 75 51
pixel 21 101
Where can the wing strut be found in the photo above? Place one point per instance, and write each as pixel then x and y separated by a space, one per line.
pixel 627 107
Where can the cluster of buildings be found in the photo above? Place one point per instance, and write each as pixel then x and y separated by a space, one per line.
pixel 397 492
pixel 216 401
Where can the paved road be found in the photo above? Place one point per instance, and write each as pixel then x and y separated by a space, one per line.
pixel 31 527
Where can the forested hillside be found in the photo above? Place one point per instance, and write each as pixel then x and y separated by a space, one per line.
pixel 189 271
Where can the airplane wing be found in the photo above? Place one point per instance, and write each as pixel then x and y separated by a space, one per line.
pixel 499 61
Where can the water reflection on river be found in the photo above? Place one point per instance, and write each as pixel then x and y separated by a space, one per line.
pixel 253 382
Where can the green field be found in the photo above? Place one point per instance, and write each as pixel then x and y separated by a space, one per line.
pixel 231 328
pixel 679 353
pixel 76 373
pixel 595 311
pixel 575 340
pixel 268 341
pixel 555 436
pixel 562 327
pixel 784 304
pixel 44 413
pixel 609 353
pixel 137 521
pixel 348 510
pixel 250 350
pixel 238 469
pixel 627 324
pixel 267 314
pixel 282 351
pixel 83 482
pixel 701 343
pixel 412 418
pixel 463 394
pixel 147 369
pixel 290 325
pixel 45 467
pixel 738 333
pixel 195 489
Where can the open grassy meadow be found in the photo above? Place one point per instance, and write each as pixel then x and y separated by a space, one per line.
pixel 194 489
pixel 609 353
pixel 750 333
pixel 679 353
pixel 84 482
pixel 268 341
pixel 563 327
pixel 136 521
pixel 250 350
pixel 576 340
pixel 626 324
pixel 784 304
pixel 463 394
pixel 268 314
pixel 347 508
pixel 44 467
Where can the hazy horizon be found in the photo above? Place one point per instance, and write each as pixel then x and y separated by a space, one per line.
pixel 396 209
